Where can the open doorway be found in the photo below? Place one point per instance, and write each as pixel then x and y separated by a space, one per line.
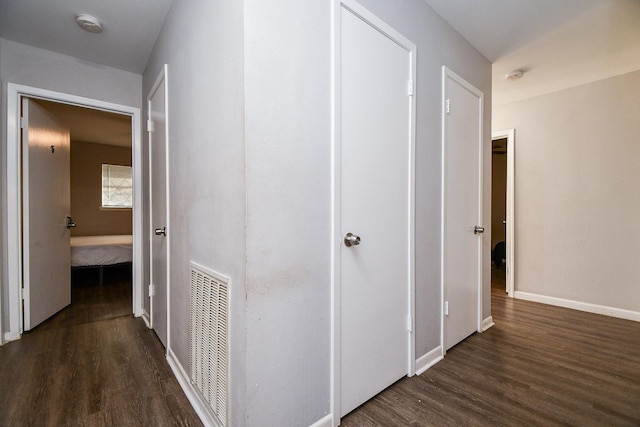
pixel 100 224
pixel 498 212
pixel 502 210
pixel 16 95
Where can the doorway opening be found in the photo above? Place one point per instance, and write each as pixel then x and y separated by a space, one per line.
pixel 15 199
pixel 502 210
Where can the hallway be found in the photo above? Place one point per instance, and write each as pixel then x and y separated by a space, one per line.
pixel 91 364
pixel 539 365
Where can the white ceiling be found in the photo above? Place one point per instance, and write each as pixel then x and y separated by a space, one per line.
pixel 131 28
pixel 557 43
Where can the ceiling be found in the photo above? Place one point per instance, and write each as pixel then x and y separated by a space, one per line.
pixel 131 28
pixel 557 43
pixel 88 125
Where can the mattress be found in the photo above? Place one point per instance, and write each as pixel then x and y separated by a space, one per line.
pixel 101 250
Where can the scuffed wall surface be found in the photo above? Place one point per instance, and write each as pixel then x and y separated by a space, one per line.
pixel 202 43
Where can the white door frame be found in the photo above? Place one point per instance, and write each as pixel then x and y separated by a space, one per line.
pixel 162 78
pixel 510 135
pixel 13 249
pixel 336 238
pixel 447 73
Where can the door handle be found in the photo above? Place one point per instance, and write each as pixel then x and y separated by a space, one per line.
pixel 70 223
pixel 477 229
pixel 161 231
pixel 351 239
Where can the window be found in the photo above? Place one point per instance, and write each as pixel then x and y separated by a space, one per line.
pixel 117 186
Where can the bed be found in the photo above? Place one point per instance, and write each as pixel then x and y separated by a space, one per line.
pixel 101 251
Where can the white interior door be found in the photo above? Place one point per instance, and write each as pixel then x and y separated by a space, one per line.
pixel 462 240
pixel 159 216
pixel 46 205
pixel 375 187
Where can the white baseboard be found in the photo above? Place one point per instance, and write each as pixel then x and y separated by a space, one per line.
pixel 146 318
pixel 199 405
pixel 10 336
pixel 326 421
pixel 582 306
pixel 426 361
pixel 487 323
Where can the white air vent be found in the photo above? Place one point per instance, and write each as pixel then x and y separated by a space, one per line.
pixel 209 326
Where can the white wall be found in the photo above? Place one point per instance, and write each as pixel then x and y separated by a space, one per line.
pixel 250 117
pixel 202 43
pixel 288 140
pixel 30 66
pixel 577 199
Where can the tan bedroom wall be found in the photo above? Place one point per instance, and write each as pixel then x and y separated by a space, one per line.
pixel 86 190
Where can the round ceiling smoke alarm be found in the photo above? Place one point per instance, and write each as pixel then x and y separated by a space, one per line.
pixel 514 75
pixel 89 23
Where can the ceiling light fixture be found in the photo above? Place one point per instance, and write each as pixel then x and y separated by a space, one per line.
pixel 515 75
pixel 89 23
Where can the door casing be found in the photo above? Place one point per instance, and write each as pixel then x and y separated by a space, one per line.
pixel 13 248
pixel 336 237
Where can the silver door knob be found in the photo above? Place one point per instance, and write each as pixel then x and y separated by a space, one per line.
pixel 351 239
pixel 161 231
pixel 477 229
pixel 70 223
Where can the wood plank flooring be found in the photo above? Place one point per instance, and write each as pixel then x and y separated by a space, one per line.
pixel 538 366
pixel 92 364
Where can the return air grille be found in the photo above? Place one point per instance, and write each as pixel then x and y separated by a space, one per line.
pixel 209 326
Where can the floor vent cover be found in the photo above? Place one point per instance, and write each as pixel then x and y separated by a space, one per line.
pixel 209 326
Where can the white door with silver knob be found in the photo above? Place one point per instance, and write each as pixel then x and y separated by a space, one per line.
pixel 375 183
pixel 158 160
pixel 462 214
pixel 46 208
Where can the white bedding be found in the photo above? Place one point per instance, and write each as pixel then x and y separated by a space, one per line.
pixel 101 250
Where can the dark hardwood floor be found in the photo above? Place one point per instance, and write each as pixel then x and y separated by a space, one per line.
pixel 92 364
pixel 538 366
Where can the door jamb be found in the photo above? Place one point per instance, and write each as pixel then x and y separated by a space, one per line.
pixel 510 135
pixel 336 239
pixel 13 247
pixel 448 73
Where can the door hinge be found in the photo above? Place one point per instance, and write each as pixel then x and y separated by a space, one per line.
pixel 152 290
pixel 409 323
pixel 22 294
pixel 23 123
pixel 447 105
pixel 446 308
pixel 410 87
pixel 150 125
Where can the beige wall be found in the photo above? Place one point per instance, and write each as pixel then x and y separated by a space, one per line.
pixel 577 203
pixel 86 190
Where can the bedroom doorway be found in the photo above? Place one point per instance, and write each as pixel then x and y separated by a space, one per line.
pixel 64 104
pixel 502 210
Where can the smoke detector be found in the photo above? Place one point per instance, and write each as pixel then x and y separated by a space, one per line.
pixel 89 23
pixel 514 75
